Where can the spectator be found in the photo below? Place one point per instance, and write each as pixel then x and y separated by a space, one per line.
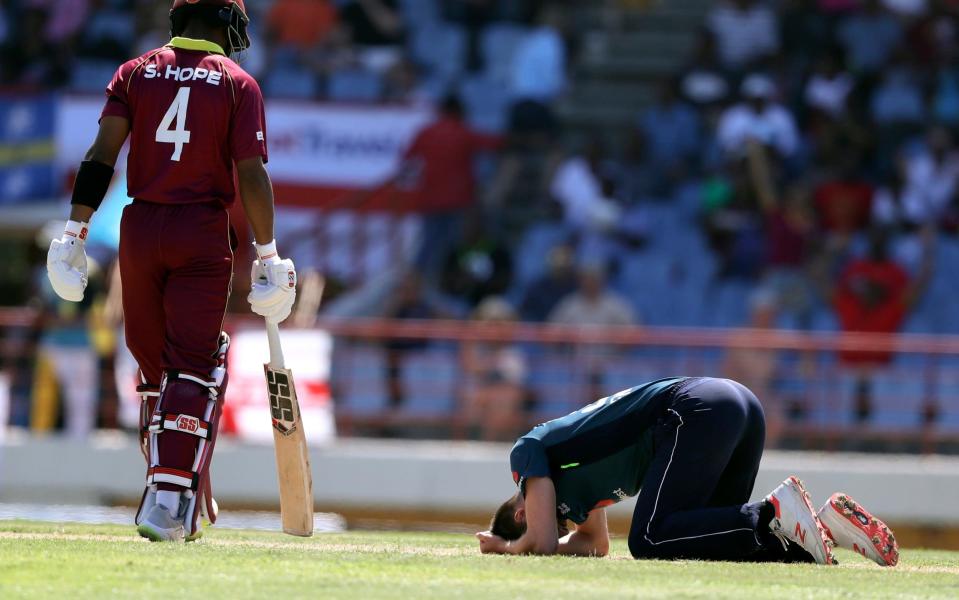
pixel 539 63
pixel 806 29
pixel 374 22
pixel 670 128
pixel 300 25
pixel 843 201
pixel 403 84
pixel 757 367
pixel 478 267
pixel 703 82
pixel 758 118
pixel 66 361
pixel 746 31
pixel 933 173
pixel 438 170
pixel 377 28
pixel 494 376
pixel 789 228
pixel 407 302
pixel 593 303
pixel 874 294
pixel 109 34
pixel 899 205
pixel 153 27
pixel 585 195
pixel 733 222
pixel 829 87
pixel 906 9
pixel 538 76
pixel 474 16
pixel 28 60
pixel 544 293
pixel 945 99
pixel 898 100
pixel 869 37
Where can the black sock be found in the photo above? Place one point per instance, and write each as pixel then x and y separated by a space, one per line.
pixel 792 553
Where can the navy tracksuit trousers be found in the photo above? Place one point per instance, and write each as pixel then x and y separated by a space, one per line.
pixel 694 501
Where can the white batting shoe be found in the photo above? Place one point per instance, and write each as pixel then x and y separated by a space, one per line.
pixel 795 520
pixel 159 526
pixel 851 526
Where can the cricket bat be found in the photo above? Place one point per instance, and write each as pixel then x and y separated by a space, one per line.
pixel 289 441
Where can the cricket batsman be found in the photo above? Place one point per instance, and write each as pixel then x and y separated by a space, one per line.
pixel 690 448
pixel 195 121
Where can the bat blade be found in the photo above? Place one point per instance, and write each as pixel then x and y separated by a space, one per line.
pixel 292 455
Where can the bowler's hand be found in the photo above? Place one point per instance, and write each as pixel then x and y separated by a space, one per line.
pixel 491 544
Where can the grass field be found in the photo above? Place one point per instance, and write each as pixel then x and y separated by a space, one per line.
pixel 40 560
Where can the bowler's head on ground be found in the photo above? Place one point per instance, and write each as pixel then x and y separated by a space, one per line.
pixel 509 521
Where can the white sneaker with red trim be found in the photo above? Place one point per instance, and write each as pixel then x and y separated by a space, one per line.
pixel 795 520
pixel 851 526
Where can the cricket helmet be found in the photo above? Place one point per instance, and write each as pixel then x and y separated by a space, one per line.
pixel 232 14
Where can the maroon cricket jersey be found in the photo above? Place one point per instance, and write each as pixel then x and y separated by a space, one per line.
pixel 192 113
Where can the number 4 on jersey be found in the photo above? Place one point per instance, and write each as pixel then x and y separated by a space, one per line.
pixel 180 135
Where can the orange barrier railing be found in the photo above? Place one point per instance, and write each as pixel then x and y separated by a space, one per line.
pixel 820 389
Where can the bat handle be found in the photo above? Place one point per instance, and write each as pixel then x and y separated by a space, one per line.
pixel 276 350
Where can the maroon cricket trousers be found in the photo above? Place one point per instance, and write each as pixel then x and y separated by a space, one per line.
pixel 176 267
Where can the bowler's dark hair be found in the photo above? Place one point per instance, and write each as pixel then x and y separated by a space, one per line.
pixel 504 523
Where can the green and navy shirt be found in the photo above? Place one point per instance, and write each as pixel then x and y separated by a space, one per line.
pixel 597 455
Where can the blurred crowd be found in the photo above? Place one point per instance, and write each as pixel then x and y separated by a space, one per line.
pixel 800 170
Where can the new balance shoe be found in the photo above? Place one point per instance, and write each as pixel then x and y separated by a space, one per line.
pixel 795 520
pixel 159 526
pixel 851 526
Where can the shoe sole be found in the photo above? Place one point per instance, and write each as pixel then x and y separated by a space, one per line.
pixel 152 534
pixel 826 540
pixel 852 520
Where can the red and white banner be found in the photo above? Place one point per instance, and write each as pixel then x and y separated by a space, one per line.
pixel 308 353
pixel 339 145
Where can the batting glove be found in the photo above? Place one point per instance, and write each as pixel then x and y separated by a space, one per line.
pixel 274 284
pixel 67 262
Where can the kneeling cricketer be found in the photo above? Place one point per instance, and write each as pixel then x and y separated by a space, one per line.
pixel 690 448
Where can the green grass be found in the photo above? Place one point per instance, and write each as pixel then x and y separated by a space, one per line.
pixel 70 561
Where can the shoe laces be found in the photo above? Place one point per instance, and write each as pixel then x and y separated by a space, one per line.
pixel 781 536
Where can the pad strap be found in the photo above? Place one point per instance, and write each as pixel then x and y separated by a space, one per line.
pixel 93 180
pixel 145 390
pixel 213 388
pixel 187 479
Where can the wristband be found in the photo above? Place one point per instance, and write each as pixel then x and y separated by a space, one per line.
pixel 75 231
pixel 266 252
pixel 93 180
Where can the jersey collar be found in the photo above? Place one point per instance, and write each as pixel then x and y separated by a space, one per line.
pixel 185 43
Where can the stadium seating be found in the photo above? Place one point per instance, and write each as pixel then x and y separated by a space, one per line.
pixel 354 85
pixel 91 76
pixel 291 82
pixel 486 102
pixel 441 48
